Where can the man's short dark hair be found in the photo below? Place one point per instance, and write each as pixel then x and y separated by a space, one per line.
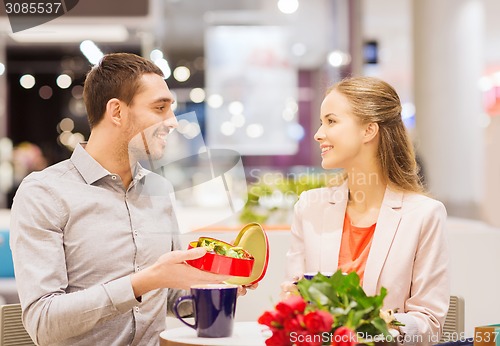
pixel 117 75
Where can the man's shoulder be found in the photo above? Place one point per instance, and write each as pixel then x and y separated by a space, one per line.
pixel 156 184
pixel 51 173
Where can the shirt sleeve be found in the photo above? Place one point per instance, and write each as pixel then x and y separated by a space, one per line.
pixel 50 312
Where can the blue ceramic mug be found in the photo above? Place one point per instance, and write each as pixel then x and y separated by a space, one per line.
pixel 310 275
pixel 214 306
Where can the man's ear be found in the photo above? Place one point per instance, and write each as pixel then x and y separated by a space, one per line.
pixel 371 132
pixel 114 111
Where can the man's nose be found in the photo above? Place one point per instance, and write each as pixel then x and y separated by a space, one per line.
pixel 171 121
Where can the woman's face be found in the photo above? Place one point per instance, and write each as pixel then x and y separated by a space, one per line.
pixel 341 134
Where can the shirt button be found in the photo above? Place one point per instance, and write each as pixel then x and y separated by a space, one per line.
pixel 135 233
pixel 137 268
pixel 136 309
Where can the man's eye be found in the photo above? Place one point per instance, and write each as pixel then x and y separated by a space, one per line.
pixel 161 108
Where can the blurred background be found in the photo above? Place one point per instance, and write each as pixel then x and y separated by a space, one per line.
pixel 249 77
pixel 255 72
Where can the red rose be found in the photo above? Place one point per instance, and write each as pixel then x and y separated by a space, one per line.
pixel 271 319
pixel 292 305
pixel 318 321
pixel 344 336
pixel 279 338
pixel 293 325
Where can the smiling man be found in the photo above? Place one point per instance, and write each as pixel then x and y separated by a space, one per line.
pixel 94 237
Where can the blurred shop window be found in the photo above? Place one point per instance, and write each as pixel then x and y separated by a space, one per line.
pixel 26 158
pixel 252 90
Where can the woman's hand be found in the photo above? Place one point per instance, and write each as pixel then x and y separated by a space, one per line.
pixel 289 288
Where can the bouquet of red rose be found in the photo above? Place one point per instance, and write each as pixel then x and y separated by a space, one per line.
pixel 329 311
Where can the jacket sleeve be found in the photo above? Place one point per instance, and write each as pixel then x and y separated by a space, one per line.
pixel 295 256
pixel 427 306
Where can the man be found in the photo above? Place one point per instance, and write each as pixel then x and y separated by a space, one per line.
pixel 92 237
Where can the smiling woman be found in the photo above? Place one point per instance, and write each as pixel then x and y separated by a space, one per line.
pixel 378 222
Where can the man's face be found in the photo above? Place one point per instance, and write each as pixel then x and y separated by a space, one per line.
pixel 150 118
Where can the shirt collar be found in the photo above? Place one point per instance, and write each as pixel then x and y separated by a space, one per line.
pixel 92 171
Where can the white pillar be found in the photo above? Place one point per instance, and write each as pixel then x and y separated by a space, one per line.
pixel 490 206
pixel 448 61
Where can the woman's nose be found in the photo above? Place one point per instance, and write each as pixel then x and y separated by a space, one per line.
pixel 319 135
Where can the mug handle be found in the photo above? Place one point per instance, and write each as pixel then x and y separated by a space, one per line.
pixel 176 312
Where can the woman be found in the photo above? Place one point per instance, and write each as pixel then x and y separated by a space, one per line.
pixel 377 222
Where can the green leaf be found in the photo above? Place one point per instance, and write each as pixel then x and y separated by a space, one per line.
pixel 381 326
pixel 343 296
pixel 318 296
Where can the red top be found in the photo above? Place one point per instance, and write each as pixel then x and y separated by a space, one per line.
pixel 355 246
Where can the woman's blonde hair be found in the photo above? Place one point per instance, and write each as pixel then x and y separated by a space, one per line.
pixel 375 101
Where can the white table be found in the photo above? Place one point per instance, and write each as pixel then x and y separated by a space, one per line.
pixel 244 334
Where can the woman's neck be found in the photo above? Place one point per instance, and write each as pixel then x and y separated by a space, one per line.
pixel 366 189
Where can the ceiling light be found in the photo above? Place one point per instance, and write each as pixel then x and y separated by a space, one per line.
pixel 182 73
pixel 236 107
pixel 27 81
pixel 338 58
pixel 288 6
pixel 155 54
pixel 72 33
pixel 64 81
pixel 215 100
pixel 197 95
pixel 91 51
pixel 164 67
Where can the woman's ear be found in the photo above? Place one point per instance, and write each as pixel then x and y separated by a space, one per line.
pixel 371 132
pixel 114 111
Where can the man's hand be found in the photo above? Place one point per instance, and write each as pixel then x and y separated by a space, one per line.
pixel 171 271
pixel 242 290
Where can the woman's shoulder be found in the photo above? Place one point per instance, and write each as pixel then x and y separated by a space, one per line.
pixel 421 202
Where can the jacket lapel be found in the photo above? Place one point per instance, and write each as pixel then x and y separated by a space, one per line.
pixel 332 224
pixel 387 225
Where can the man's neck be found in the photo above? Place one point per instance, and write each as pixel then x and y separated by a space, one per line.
pixel 112 156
